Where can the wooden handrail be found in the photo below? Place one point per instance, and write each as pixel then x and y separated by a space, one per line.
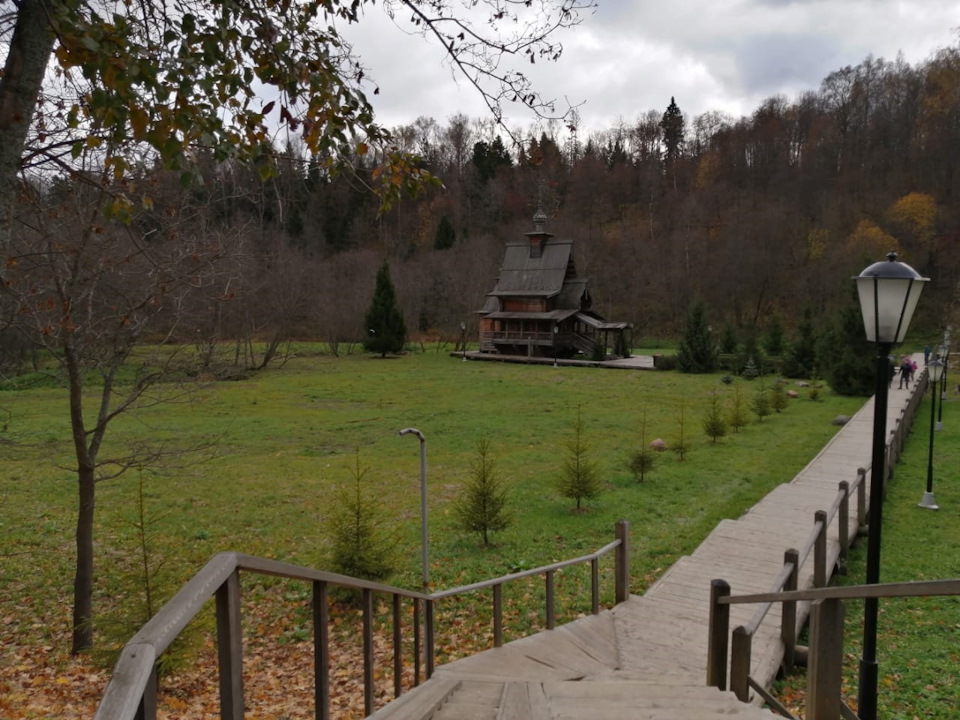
pixel 131 692
pixel 820 595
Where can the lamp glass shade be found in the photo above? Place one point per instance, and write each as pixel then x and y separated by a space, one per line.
pixel 888 292
pixel 935 368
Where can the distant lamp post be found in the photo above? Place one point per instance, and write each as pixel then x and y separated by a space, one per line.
pixel 944 354
pixel 935 369
pixel 463 340
pixel 556 333
pixel 888 293
pixel 424 565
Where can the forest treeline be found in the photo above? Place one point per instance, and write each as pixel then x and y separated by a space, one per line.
pixel 761 216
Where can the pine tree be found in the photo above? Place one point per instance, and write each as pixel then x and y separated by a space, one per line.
pixel 848 360
pixel 446 236
pixel 737 417
pixel 386 331
pixel 773 336
pixel 643 459
pixel 697 353
pixel 761 402
pixel 481 507
pixel 360 544
pixel 778 397
pixel 674 131
pixel 680 444
pixel 714 424
pixel 579 479
pixel 801 358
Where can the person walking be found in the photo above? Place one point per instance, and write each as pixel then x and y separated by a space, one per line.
pixel 905 371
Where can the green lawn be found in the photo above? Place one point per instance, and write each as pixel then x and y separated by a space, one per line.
pixel 285 437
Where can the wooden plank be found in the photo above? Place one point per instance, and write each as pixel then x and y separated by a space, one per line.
pixel 597 639
pixel 421 702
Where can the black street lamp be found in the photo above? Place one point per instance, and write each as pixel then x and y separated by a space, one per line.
pixel 888 292
pixel 944 354
pixel 463 340
pixel 935 370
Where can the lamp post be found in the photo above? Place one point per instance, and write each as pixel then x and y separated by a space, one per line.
pixel 944 354
pixel 556 332
pixel 424 566
pixel 888 293
pixel 935 371
pixel 463 340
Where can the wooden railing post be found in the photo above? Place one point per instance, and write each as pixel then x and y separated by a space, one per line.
pixel 788 624
pixel 230 648
pixel 321 650
pixel 843 527
pixel 595 586
pixel 431 639
pixel 367 652
pixel 417 635
pixel 719 631
pixel 551 616
pixel 498 615
pixel 623 561
pixel 398 645
pixel 741 649
pixel 820 551
pixel 825 673
pixel 148 703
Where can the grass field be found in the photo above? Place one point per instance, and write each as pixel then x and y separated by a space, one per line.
pixel 285 438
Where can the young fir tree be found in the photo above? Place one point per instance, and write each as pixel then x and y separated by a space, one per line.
pixel 481 507
pixel 680 446
pixel 801 358
pixel 697 352
pixel 714 424
pixel 386 331
pixel 737 418
pixel 773 336
pixel 848 360
pixel 361 544
pixel 643 459
pixel 580 479
pixel 761 402
pixel 778 397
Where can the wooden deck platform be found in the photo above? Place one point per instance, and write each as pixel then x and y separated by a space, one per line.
pixel 646 658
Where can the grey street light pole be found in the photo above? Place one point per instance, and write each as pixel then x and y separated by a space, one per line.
pixel 888 293
pixel 934 370
pixel 424 564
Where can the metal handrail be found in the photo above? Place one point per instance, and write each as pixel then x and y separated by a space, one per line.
pixel 132 689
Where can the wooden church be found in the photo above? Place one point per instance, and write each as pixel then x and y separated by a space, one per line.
pixel 541 307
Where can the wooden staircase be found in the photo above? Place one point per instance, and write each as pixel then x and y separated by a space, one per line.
pixel 574 672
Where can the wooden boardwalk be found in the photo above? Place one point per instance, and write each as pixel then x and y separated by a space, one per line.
pixel 647 657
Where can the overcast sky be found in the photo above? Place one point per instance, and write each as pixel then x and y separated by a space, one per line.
pixel 630 56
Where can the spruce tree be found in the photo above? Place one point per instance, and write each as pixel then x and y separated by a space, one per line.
pixel 697 353
pixel 386 330
pixel 801 358
pixel 714 424
pixel 446 236
pixel 848 361
pixel 737 418
pixel 761 402
pixel 481 507
pixel 360 543
pixel 580 479
pixel 643 459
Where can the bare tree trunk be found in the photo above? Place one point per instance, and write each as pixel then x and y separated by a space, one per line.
pixel 86 483
pixel 20 85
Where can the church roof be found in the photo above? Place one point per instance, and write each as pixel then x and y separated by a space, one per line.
pixel 527 275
